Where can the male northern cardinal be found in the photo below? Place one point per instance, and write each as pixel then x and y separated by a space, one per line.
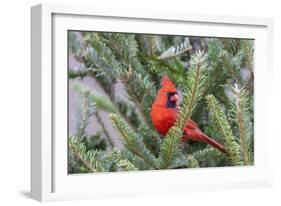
pixel 164 114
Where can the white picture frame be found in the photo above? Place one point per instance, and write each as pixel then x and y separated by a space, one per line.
pixel 49 179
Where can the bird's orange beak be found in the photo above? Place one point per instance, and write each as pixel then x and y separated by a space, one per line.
pixel 175 98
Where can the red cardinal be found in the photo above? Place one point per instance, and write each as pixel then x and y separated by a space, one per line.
pixel 164 114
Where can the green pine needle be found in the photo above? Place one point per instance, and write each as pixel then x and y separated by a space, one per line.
pixel 222 125
pixel 192 162
pixel 91 159
pixel 240 115
pixel 132 141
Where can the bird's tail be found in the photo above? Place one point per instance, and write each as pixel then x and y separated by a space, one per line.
pixel 212 142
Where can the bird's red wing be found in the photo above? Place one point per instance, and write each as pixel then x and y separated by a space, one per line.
pixel 192 132
pixel 191 125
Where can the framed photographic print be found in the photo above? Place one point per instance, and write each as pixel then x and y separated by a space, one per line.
pixel 135 102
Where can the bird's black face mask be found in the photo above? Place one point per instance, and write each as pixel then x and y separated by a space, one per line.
pixel 172 99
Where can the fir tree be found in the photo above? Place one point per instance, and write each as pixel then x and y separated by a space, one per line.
pixel 215 77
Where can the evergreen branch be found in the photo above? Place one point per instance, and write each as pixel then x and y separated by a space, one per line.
pixel 225 65
pixel 113 105
pixel 135 160
pixel 72 74
pixel 241 116
pixel 207 152
pixel 192 162
pixel 86 110
pixel 174 51
pixel 100 101
pixel 126 165
pixel 132 141
pixel 84 117
pixel 120 55
pixel 124 46
pixel 170 147
pixel 224 129
pixel 121 161
pixel 192 93
pixel 127 111
pixel 75 45
pixel 101 55
pixel 139 89
pixel 135 79
pixel 248 48
pixel 105 132
pixel 90 159
pixel 193 88
pixel 149 45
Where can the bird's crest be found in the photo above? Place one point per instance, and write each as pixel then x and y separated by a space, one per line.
pixel 167 84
